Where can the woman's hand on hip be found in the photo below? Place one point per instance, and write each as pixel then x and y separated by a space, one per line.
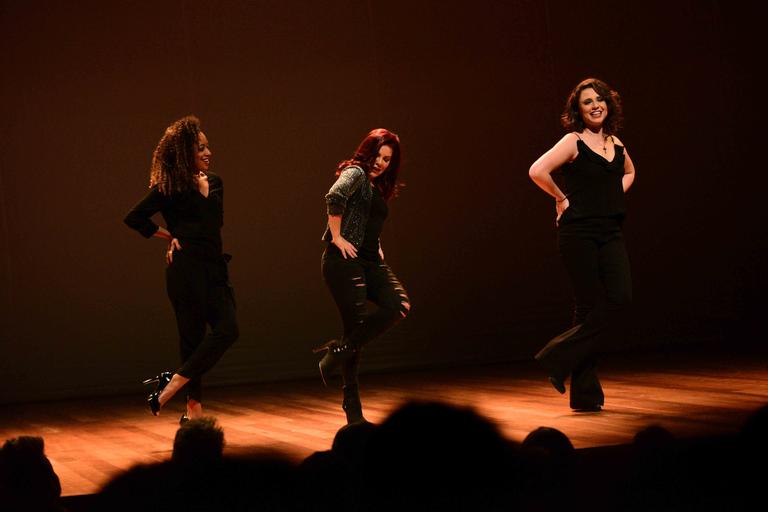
pixel 346 248
pixel 173 245
pixel 560 207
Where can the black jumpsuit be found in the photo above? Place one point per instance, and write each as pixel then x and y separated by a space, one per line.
pixel 197 280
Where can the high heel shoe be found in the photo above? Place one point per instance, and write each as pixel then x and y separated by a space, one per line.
pixel 558 384
pixel 352 406
pixel 555 378
pixel 153 400
pixel 336 353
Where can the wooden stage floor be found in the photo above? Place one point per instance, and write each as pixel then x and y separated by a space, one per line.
pixel 691 393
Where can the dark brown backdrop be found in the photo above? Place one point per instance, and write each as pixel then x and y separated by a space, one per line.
pixel 285 89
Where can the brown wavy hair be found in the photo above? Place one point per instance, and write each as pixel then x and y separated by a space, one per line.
pixel 571 117
pixel 365 157
pixel 173 161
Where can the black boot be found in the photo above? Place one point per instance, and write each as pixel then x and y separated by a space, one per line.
pixel 352 406
pixel 337 353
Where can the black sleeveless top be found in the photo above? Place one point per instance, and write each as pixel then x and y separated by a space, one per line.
pixel 593 185
pixel 369 249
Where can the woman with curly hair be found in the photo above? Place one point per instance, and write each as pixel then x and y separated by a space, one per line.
pixel 353 263
pixel 597 172
pixel 191 201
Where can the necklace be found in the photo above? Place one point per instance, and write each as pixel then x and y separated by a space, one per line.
pixel 605 148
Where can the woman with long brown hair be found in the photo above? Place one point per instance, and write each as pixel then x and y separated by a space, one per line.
pixel 191 200
pixel 597 172
pixel 353 263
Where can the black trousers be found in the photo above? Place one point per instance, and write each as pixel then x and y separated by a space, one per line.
pixel 201 296
pixel 596 260
pixel 354 281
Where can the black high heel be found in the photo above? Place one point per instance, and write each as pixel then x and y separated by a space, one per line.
pixel 352 406
pixel 153 400
pixel 337 352
pixel 558 384
pixel 554 377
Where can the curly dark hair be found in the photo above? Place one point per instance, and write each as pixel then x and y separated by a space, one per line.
pixel 365 157
pixel 571 117
pixel 173 161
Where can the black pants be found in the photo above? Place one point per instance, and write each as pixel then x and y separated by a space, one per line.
pixel 597 263
pixel 354 281
pixel 201 295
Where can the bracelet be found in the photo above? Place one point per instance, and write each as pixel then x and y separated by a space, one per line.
pixel 561 200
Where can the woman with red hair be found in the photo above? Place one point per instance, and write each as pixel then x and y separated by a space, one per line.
pixel 353 262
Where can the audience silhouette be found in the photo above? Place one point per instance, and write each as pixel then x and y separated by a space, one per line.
pixel 198 442
pixel 423 456
pixel 27 479
pixel 549 467
pixel 435 456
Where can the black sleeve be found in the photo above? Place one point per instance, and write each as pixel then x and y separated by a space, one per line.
pixel 216 186
pixel 140 216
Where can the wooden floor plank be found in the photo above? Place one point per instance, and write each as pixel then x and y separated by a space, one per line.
pixel 91 440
